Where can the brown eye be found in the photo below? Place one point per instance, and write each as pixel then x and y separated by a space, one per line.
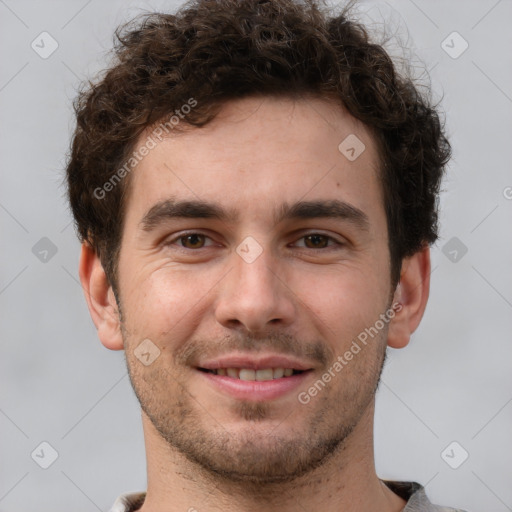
pixel 187 242
pixel 317 241
pixel 193 241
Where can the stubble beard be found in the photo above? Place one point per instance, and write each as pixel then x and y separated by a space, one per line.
pixel 253 456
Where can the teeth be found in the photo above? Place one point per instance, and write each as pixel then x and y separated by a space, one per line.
pixel 247 375
pixel 267 374
pixel 259 375
pixel 278 373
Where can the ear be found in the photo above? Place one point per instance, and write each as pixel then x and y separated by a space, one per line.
pixel 410 298
pixel 100 299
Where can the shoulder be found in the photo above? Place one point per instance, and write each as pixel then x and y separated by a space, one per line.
pixel 416 497
pixel 128 502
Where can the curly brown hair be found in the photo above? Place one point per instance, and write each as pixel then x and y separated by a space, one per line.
pixel 217 50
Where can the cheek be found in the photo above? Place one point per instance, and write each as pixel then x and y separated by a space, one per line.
pixel 342 304
pixel 165 305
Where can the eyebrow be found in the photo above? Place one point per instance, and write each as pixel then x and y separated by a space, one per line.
pixel 169 209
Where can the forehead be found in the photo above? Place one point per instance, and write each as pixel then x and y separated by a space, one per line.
pixel 259 154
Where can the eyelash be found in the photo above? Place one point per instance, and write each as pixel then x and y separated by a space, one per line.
pixel 190 233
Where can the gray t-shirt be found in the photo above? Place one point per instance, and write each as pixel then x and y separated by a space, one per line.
pixel 413 492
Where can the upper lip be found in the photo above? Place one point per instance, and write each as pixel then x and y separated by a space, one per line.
pixel 254 363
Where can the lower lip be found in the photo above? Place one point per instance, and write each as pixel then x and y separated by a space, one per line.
pixel 256 390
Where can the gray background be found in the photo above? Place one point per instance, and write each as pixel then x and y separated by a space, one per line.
pixel 60 385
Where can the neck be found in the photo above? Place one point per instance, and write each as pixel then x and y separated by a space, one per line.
pixel 346 481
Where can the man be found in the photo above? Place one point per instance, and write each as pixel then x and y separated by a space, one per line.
pixel 256 188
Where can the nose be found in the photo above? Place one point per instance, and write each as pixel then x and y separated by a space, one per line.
pixel 255 295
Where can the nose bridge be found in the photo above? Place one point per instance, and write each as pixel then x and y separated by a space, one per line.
pixel 254 294
pixel 254 266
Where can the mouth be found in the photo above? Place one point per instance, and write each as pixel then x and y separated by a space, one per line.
pixel 246 378
pixel 249 374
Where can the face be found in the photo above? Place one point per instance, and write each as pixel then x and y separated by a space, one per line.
pixel 253 249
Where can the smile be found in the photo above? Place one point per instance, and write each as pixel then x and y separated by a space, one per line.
pixel 250 374
pixel 261 385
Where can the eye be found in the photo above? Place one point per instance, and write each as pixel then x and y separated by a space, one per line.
pixel 318 241
pixel 191 240
pixel 196 240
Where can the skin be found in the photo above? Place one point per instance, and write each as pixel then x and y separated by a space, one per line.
pixel 196 298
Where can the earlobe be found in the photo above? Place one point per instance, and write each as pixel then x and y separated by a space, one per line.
pixel 100 299
pixel 410 299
